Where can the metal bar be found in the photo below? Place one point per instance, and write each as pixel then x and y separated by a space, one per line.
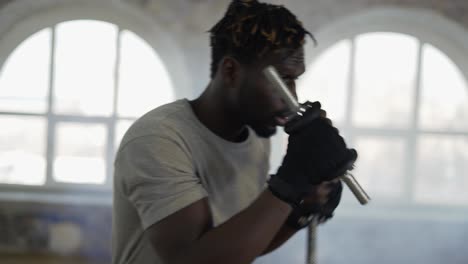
pixel 312 243
pixel 50 118
pixel 355 188
pixel 282 89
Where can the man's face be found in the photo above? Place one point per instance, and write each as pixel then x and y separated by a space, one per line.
pixel 260 105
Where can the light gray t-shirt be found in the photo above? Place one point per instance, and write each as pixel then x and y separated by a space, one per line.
pixel 168 160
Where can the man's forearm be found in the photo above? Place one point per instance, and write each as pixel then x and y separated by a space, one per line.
pixel 243 237
pixel 283 235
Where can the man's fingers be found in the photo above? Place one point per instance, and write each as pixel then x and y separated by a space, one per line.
pixel 323 113
pixel 334 181
pixel 319 194
pixel 323 192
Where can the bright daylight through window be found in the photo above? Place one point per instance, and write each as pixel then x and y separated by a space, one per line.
pixel 404 105
pixel 67 95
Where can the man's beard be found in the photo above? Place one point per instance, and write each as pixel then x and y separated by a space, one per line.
pixel 264 131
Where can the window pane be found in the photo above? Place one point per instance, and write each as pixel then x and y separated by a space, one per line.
pixel 84 67
pixel 380 166
pixel 442 170
pixel 444 94
pixel 121 127
pixel 144 82
pixel 80 153
pixel 24 78
pixel 384 79
pixel 326 80
pixel 22 150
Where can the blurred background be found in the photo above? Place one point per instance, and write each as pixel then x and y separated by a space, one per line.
pixel 392 74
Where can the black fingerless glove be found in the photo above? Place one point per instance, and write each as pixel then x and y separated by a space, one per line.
pixel 316 153
pixel 324 154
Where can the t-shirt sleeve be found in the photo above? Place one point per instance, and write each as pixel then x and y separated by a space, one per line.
pixel 158 177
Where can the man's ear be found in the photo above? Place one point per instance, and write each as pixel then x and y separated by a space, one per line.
pixel 230 69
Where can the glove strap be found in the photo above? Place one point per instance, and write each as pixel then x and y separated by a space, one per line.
pixel 285 192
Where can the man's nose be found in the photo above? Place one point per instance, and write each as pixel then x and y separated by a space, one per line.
pixel 279 105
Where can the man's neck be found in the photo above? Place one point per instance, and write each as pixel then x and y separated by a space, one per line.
pixel 211 112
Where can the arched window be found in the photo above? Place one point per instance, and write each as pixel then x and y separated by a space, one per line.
pixel 67 94
pixel 403 104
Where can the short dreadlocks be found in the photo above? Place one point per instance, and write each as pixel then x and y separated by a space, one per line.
pixel 250 29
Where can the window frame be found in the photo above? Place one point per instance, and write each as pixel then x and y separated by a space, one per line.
pixel 124 17
pixel 427 27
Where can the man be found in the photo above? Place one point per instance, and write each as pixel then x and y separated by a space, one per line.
pixel 190 181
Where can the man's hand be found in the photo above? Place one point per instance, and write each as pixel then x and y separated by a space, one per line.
pixel 323 199
pixel 318 146
pixel 316 153
pixel 319 204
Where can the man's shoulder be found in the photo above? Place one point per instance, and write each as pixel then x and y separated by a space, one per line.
pixel 164 114
pixel 162 121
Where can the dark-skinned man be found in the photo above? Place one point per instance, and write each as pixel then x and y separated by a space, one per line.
pixel 191 178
